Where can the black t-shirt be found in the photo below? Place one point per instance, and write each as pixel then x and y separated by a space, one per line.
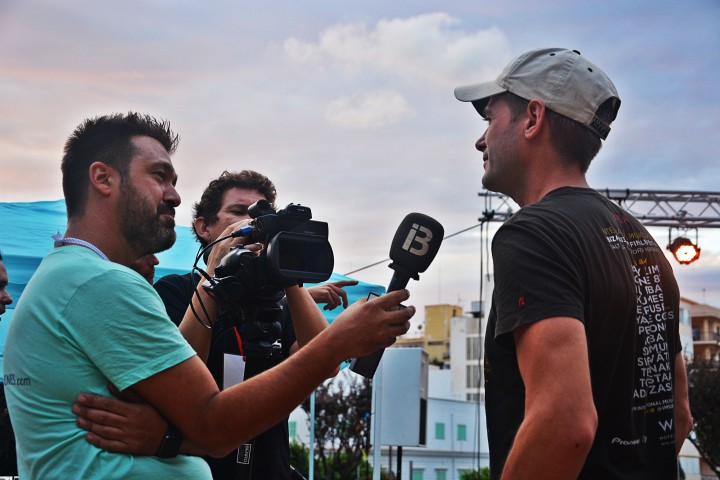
pixel 576 254
pixel 271 449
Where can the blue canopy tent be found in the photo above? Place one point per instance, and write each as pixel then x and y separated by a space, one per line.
pixel 26 231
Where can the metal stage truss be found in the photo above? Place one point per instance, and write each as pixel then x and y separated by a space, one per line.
pixel 654 208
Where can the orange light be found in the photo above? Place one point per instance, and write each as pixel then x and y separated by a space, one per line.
pixel 684 250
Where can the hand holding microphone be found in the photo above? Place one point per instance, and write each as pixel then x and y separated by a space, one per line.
pixel 414 247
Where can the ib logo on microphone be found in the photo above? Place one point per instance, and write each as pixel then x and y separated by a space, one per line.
pixel 421 235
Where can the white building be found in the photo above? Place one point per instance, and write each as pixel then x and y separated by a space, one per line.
pixel 456 440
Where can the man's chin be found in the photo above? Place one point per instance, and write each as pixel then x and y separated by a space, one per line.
pixel 491 183
pixel 487 183
pixel 163 241
pixel 166 241
pixel 167 221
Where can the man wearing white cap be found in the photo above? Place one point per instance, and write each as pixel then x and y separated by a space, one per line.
pixel 583 372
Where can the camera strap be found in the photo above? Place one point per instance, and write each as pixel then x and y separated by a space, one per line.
pixel 239 342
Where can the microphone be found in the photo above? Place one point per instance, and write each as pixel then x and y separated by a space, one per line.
pixel 414 247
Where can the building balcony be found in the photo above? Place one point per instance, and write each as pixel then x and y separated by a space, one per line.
pixel 706 337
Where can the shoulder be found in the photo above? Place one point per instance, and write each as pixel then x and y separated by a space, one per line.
pixel 81 267
pixel 564 212
pixel 175 279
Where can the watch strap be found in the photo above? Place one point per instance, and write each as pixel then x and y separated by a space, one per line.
pixel 170 445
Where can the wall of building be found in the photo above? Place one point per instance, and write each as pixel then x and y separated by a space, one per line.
pixel 437 331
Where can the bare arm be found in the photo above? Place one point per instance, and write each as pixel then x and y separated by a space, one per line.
pixel 127 426
pixel 202 304
pixel 308 319
pixel 217 422
pixel 683 417
pixel 197 335
pixel 560 418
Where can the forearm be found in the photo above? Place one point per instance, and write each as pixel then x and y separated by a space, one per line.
pixel 202 308
pixel 683 417
pixel 548 448
pixel 202 311
pixel 189 448
pixel 218 421
pixel 308 319
pixel 243 411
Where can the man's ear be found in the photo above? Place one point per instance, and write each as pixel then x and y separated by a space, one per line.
pixel 535 122
pixel 103 178
pixel 201 228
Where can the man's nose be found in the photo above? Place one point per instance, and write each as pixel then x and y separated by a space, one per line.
pixel 172 197
pixel 480 144
pixel 5 298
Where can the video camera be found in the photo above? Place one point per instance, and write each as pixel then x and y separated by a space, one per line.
pixel 296 250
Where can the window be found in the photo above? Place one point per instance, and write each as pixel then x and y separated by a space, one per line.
pixel 441 474
pixel 685 317
pixel 417 474
pixel 292 429
pixel 440 431
pixel 472 376
pixel 462 432
pixel 472 347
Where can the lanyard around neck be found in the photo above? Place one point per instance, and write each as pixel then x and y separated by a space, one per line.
pixel 60 241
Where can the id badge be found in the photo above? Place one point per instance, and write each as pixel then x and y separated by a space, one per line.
pixel 233 370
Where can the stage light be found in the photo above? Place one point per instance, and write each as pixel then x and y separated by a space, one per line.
pixel 684 250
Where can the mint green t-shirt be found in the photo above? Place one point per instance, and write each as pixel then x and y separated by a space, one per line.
pixel 83 322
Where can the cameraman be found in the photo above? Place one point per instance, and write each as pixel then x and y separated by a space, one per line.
pixel 225 202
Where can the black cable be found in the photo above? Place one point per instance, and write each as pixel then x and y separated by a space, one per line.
pixel 206 276
pixel 387 259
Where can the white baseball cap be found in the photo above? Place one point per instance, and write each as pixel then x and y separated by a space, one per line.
pixel 565 82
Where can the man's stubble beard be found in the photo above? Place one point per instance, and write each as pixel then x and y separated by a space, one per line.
pixel 141 224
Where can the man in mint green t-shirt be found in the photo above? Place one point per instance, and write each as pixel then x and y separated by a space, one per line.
pixel 86 320
pixel 73 333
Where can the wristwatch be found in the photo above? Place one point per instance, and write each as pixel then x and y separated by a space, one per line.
pixel 170 445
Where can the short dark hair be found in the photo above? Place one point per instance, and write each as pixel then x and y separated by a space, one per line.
pixel 212 198
pixel 0 255
pixel 106 139
pixel 575 143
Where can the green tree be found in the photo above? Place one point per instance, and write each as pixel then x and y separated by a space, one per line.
pixel 299 457
pixel 482 474
pixel 704 393
pixel 342 428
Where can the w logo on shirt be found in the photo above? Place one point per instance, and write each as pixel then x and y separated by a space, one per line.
pixel 666 425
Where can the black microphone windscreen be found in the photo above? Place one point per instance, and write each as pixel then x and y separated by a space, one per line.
pixel 416 242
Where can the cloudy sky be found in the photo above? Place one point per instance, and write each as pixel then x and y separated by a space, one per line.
pixel 349 107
